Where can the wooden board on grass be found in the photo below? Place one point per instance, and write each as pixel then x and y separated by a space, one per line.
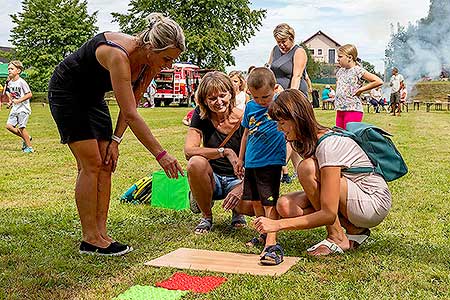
pixel 217 261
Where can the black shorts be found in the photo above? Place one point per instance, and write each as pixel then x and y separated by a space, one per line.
pixel 80 117
pixel 262 184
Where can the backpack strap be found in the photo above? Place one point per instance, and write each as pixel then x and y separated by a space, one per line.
pixel 341 132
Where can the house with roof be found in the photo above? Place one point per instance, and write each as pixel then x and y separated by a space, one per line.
pixel 322 48
pixel 5 50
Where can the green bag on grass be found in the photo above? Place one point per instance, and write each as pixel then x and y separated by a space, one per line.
pixel 170 193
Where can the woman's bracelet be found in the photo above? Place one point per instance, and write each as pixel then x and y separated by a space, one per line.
pixel 161 155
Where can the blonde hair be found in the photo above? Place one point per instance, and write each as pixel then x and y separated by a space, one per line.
pixel 17 63
pixel 349 50
pixel 284 31
pixel 239 75
pixel 211 83
pixel 162 33
pixel 261 77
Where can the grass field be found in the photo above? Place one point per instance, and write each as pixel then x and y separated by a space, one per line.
pixel 407 256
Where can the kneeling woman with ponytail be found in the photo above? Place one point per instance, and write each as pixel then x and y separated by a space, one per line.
pixel 330 197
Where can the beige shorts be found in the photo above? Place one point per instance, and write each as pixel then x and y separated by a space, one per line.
pixel 368 202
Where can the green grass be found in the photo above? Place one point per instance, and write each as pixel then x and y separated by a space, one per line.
pixel 407 256
pixel 432 91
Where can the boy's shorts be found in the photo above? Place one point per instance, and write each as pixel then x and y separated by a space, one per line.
pixel 262 184
pixel 18 120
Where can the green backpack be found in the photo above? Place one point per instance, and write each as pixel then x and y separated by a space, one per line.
pixel 387 160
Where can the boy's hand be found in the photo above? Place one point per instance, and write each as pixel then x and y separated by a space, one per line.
pixel 239 169
pixel 232 158
pixel 112 155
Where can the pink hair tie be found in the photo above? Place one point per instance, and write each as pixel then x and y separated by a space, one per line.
pixel 161 155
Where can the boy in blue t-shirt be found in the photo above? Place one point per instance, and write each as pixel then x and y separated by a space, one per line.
pixel 263 149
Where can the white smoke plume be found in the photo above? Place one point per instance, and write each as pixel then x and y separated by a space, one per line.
pixel 423 50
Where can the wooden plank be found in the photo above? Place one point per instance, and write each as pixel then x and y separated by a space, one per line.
pixel 217 261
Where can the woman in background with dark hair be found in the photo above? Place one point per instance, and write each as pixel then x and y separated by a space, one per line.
pixel 331 197
pixel 125 64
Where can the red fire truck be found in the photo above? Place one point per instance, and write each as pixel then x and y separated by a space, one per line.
pixel 177 85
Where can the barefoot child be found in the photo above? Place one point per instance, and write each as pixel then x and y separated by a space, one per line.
pixel 19 94
pixel 263 149
pixel 349 86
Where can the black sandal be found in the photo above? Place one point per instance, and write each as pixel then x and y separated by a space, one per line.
pixel 204 226
pixel 238 220
pixel 274 255
pixel 257 240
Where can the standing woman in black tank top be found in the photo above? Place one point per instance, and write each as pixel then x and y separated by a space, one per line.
pixel 125 64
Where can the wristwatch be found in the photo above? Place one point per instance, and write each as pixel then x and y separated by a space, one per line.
pixel 116 139
pixel 221 151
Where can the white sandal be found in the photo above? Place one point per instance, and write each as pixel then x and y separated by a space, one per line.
pixel 334 248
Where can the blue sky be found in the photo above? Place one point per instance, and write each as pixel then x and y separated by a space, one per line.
pixel 365 23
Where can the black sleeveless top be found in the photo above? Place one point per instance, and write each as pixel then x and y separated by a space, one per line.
pixel 213 138
pixel 81 73
pixel 283 67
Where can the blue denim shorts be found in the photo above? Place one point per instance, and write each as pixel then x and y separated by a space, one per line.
pixel 223 185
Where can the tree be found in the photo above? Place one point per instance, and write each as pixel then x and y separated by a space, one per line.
pixel 213 29
pixel 46 31
pixel 312 67
pixel 370 68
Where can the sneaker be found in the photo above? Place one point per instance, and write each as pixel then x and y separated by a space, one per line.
pixel 286 179
pixel 117 244
pixel 114 249
pixel 193 204
pixel 24 145
pixel 28 150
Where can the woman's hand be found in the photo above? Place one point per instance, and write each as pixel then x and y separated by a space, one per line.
pixel 266 225
pixel 170 165
pixel 278 88
pixel 233 197
pixel 112 155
